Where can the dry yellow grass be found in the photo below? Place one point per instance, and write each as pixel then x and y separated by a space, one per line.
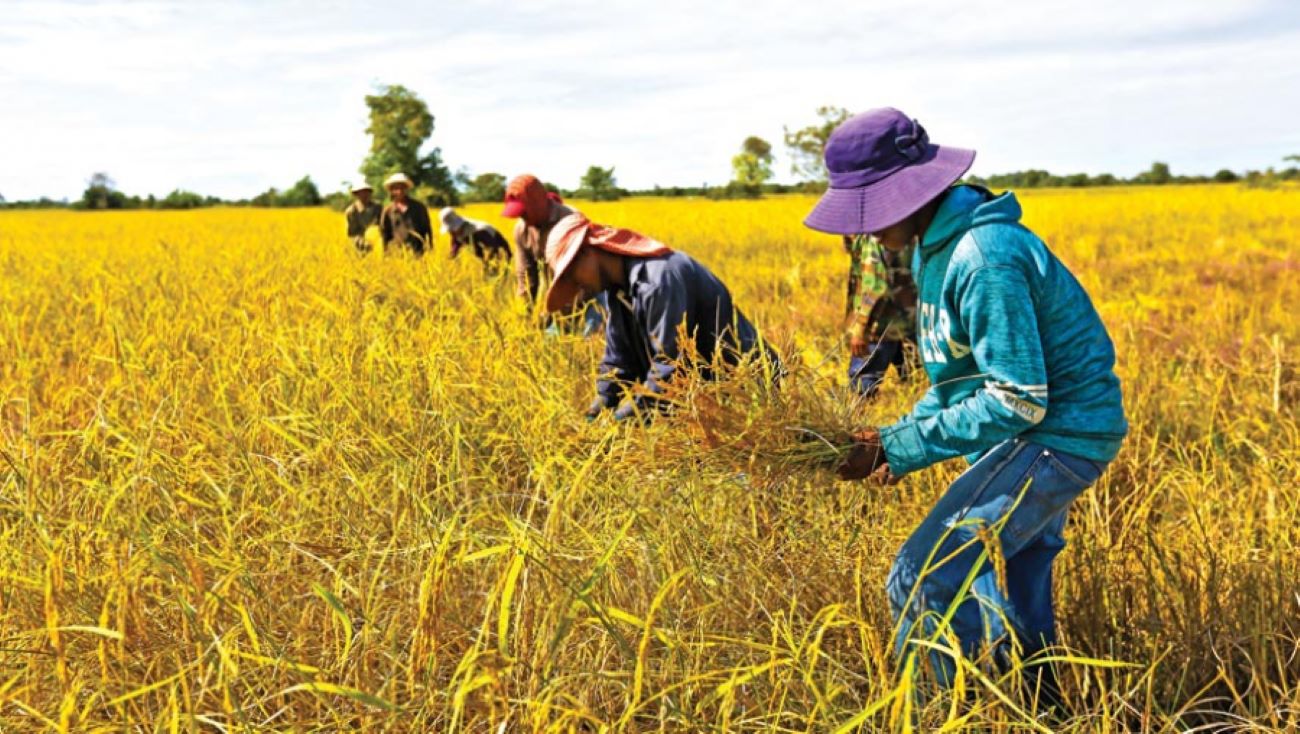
pixel 249 481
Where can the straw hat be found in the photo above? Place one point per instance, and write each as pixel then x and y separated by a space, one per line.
pixel 398 178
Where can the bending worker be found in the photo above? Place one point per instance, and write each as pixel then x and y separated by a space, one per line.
pixel 1022 384
pixel 652 291
pixel 488 244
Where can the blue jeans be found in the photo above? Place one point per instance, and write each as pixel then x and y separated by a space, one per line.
pixel 866 373
pixel 1027 489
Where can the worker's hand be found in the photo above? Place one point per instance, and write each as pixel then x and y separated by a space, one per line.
pixel 859 346
pixel 866 456
pixel 595 410
pixel 884 475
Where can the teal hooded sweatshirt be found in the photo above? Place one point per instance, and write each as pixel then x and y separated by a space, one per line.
pixel 1010 340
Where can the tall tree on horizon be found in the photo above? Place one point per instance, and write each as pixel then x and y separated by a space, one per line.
pixel 752 166
pixel 101 193
pixel 599 184
pixel 400 124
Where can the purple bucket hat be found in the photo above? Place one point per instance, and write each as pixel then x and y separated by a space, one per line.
pixel 883 168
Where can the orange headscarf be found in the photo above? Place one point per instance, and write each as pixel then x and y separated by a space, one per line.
pixel 572 232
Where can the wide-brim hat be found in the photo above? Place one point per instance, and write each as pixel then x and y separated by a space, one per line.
pixel 398 178
pixel 363 186
pixel 882 169
pixel 451 221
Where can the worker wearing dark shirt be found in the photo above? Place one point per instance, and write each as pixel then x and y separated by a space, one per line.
pixel 405 221
pixel 652 291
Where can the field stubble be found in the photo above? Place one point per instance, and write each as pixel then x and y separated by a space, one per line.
pixel 249 480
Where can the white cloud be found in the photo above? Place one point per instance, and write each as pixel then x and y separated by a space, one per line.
pixel 233 97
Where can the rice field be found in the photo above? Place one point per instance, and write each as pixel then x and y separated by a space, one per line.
pixel 250 481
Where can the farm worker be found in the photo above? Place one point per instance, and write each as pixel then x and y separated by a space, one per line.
pixel 489 245
pixel 537 211
pixel 527 200
pixel 405 221
pixel 881 312
pixel 360 214
pixel 651 291
pixel 1022 384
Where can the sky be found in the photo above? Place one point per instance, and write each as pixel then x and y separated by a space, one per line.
pixel 230 98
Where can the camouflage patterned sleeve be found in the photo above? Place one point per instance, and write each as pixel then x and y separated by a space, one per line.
pixel 870 283
pixel 895 318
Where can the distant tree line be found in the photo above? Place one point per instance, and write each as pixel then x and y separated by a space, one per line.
pixel 102 194
pixel 401 124
pixel 1158 175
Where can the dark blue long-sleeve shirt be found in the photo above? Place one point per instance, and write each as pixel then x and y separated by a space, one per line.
pixel 641 342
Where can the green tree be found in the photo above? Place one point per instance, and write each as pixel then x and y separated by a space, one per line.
pixel 181 199
pixel 1224 175
pixel 101 193
pixel 807 145
pixel 599 184
pixel 753 164
pixel 1158 174
pixel 751 168
pixel 400 124
pixel 485 187
pixel 302 193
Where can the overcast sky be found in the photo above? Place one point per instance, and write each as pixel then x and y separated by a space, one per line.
pixel 232 97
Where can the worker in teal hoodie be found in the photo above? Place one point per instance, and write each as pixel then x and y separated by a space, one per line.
pixel 1022 385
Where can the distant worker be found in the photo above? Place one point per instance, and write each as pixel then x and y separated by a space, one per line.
pixel 1022 384
pixel 881 312
pixel 404 223
pixel 652 291
pixel 489 244
pixel 538 210
pixel 361 214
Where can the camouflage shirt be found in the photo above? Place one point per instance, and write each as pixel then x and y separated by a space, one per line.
pixel 882 294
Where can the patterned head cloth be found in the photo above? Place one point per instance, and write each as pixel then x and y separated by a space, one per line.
pixel 566 240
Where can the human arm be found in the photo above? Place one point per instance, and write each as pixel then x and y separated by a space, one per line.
pixel 356 227
pixel 869 284
pixel 996 309
pixel 661 309
pixel 420 223
pixel 526 280
pixel 386 228
pixel 620 365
